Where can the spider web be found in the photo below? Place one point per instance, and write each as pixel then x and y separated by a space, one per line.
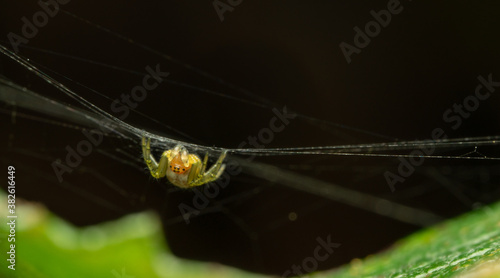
pixel 313 155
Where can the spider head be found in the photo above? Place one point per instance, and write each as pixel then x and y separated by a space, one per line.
pixel 180 163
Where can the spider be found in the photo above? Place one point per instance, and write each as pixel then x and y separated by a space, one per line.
pixel 182 169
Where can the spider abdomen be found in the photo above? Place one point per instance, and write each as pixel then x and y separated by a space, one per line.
pixel 178 179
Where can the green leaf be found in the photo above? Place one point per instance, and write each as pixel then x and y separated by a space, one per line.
pixel 468 243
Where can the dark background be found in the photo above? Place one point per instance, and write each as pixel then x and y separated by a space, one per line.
pixel 284 53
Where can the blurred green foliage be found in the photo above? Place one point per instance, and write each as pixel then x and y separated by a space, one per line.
pixel 133 247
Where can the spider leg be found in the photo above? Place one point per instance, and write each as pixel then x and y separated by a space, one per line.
pixel 204 165
pixel 158 170
pixel 213 173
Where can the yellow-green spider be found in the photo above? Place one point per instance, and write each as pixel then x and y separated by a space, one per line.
pixel 182 168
